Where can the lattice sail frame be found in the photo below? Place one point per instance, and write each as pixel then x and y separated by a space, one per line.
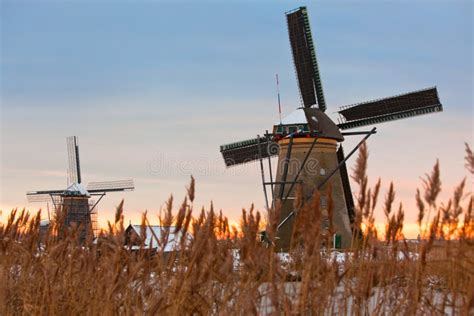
pixel 110 186
pixel 304 57
pixel 74 171
pixel 389 109
pixel 248 150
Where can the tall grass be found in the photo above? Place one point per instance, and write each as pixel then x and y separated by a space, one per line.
pixel 227 270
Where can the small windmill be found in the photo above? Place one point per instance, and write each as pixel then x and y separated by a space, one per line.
pixel 75 200
pixel 309 135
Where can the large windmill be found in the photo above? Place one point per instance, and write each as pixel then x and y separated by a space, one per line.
pixel 309 135
pixel 75 200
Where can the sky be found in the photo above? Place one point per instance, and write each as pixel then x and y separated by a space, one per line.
pixel 153 88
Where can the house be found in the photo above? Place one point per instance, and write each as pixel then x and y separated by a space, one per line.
pixel 154 238
pixel 44 228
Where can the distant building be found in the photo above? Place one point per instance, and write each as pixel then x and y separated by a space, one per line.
pixel 44 228
pixel 154 238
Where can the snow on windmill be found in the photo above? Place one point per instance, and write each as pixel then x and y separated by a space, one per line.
pixel 308 134
pixel 75 200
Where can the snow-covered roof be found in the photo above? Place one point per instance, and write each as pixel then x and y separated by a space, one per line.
pixel 173 242
pixel 76 189
pixel 44 222
pixel 295 117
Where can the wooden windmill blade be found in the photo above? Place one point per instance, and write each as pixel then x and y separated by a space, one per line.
pixel 74 170
pixel 389 109
pixel 111 186
pixel 42 196
pixel 34 198
pixel 304 57
pixel 248 150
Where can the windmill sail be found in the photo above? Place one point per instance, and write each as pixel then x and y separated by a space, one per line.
pixel 346 185
pixel 304 57
pixel 247 151
pixel 74 170
pixel 110 186
pixel 42 196
pixel 392 108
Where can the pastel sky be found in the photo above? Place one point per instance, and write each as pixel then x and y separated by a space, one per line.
pixel 153 88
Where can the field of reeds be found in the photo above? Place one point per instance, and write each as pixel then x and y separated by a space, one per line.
pixel 225 270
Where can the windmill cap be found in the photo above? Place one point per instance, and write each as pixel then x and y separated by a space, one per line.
pixel 320 122
pixel 317 121
pixel 76 189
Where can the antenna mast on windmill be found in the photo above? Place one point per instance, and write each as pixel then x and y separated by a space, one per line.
pixel 278 93
pixel 308 134
pixel 75 200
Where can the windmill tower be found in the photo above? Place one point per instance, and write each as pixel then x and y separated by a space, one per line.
pixel 75 200
pixel 308 143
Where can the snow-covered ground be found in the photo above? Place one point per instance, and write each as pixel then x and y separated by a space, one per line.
pixel 382 300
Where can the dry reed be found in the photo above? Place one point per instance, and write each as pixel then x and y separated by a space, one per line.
pixel 224 270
